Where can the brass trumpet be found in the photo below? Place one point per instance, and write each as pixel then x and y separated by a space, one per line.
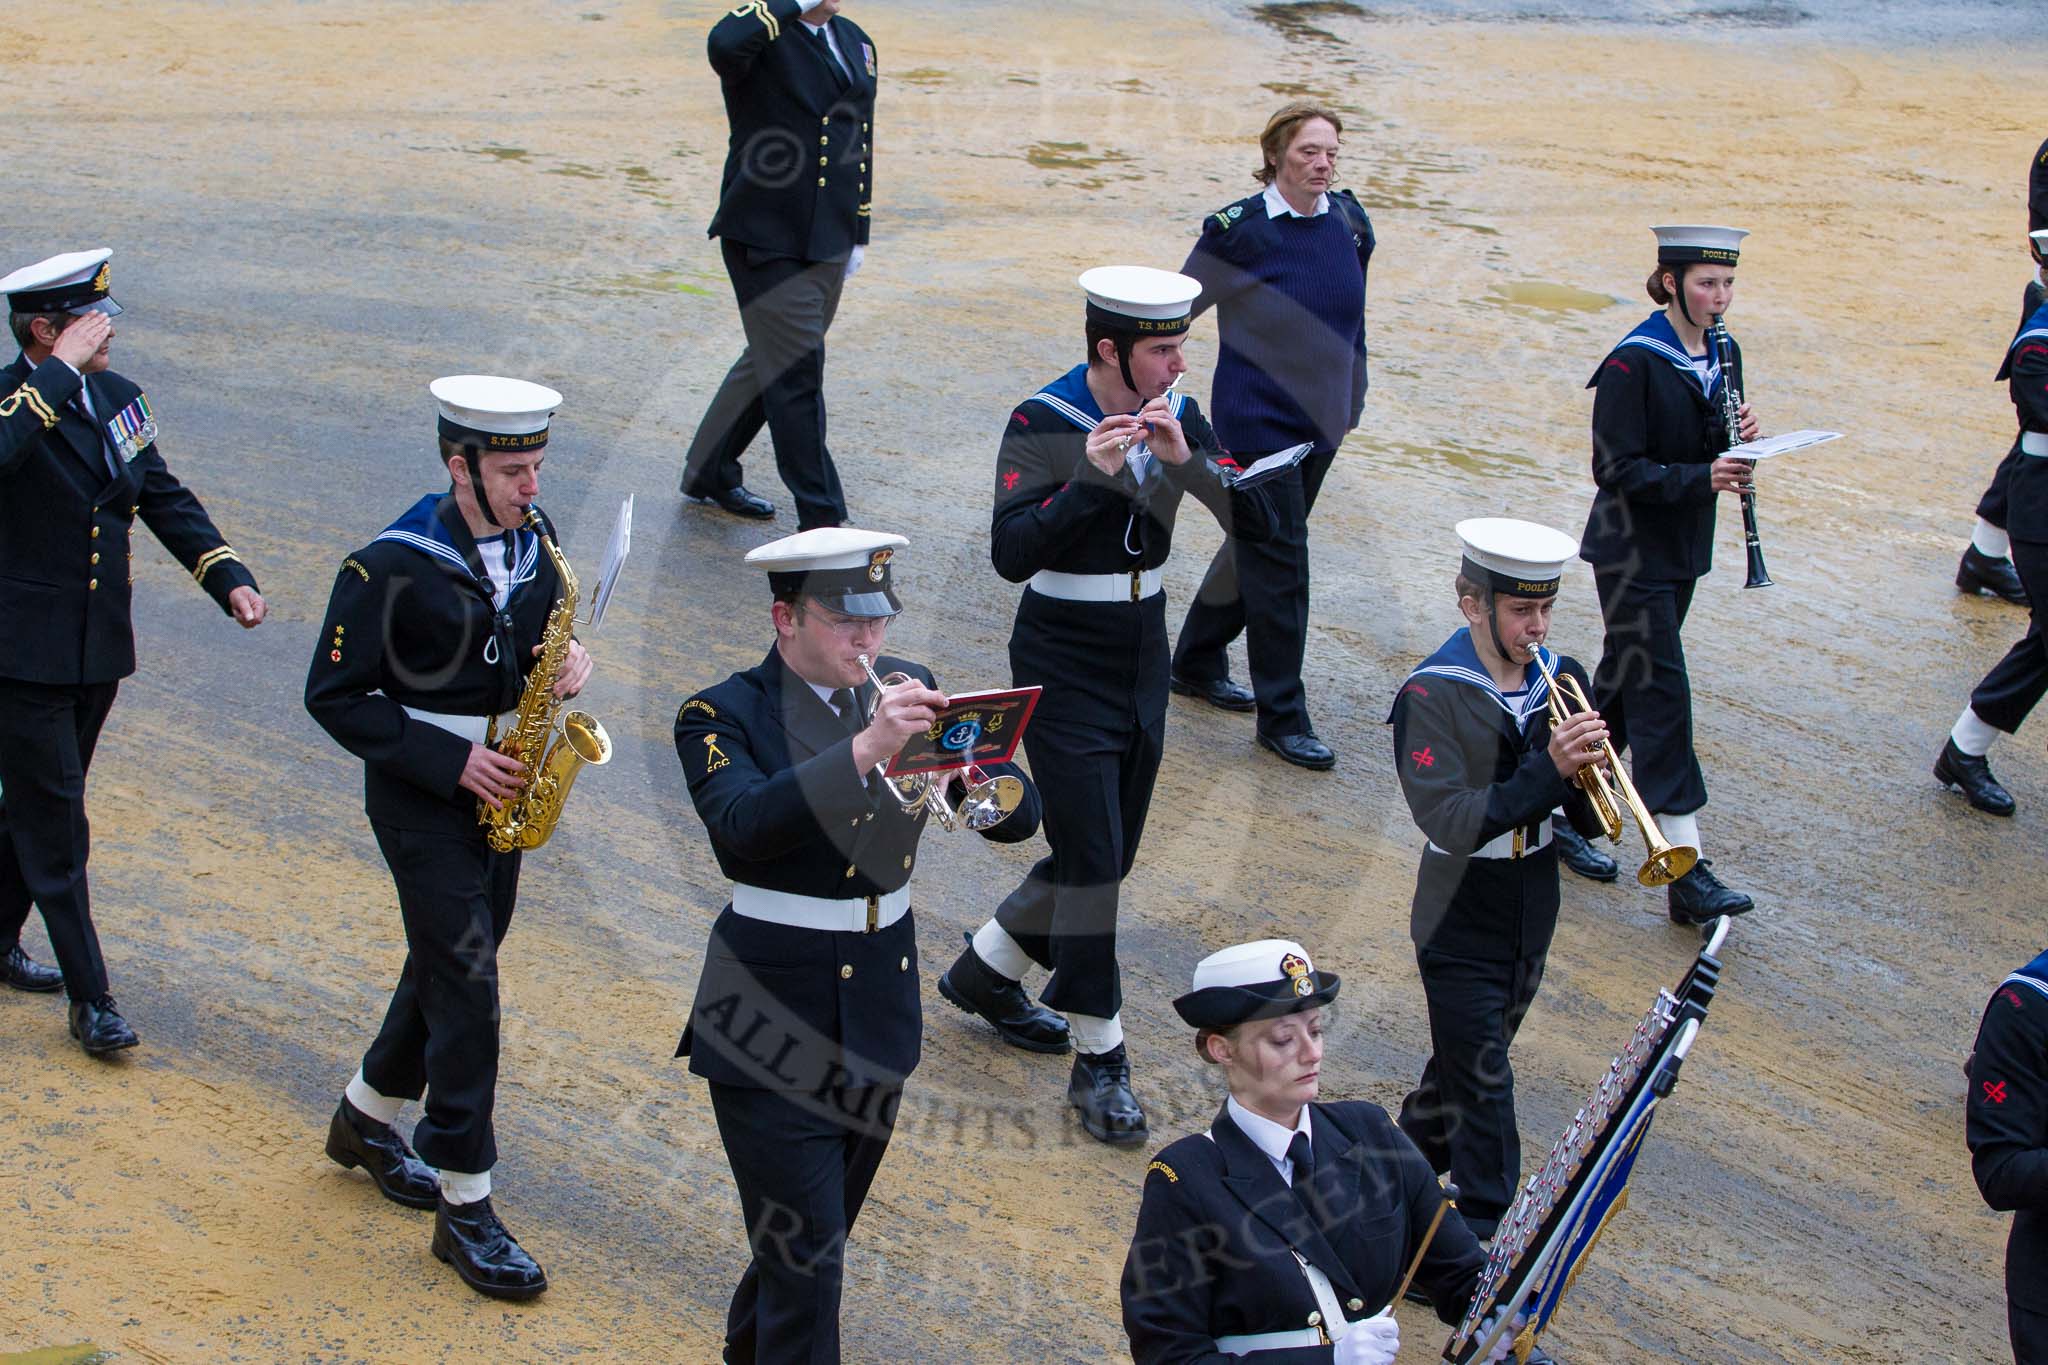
pixel 986 801
pixel 1607 784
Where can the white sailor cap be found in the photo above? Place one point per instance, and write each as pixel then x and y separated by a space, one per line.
pixel 845 568
pixel 491 412
pixel 75 282
pixel 2040 241
pixel 1137 298
pixel 1515 558
pixel 1261 980
pixel 1681 244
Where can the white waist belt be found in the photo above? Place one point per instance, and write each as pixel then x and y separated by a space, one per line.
pixel 471 728
pixel 858 915
pixel 1503 846
pixel 2034 442
pixel 1269 1341
pixel 1096 587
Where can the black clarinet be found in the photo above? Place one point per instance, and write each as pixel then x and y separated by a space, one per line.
pixel 1731 405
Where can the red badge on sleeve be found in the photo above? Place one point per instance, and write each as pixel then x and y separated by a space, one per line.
pixel 1994 1091
pixel 1423 757
pixel 1010 477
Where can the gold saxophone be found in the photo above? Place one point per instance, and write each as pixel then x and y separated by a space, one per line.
pixel 528 818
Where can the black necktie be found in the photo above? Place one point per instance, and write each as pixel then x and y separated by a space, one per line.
pixel 849 710
pixel 78 402
pixel 1304 1158
pixel 838 67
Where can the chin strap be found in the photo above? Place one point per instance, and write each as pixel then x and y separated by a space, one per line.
pixel 473 457
pixel 1493 626
pixel 1124 343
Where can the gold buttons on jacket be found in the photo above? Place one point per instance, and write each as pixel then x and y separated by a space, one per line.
pixel 821 180
pixel 904 965
pixel 1356 1305
pixel 906 862
pixel 95 533
pixel 95 557
pixel 1315 1319
pixel 846 972
pixel 851 870
pixel 824 139
pixel 92 584
pixel 826 122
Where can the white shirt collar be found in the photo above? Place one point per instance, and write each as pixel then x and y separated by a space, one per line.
pixel 1268 1136
pixel 1278 207
pixel 825 694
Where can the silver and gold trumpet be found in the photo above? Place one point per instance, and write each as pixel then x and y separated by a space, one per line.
pixel 987 800
pixel 1608 786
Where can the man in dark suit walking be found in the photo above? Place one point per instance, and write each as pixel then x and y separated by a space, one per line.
pixel 792 220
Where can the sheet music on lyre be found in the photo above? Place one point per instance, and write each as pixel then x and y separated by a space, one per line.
pixel 614 562
pixel 1783 444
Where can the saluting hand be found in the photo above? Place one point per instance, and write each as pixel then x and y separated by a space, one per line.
pixel 491 776
pixel 81 340
pixel 1576 743
pixel 248 607
pixel 576 670
pixel 903 711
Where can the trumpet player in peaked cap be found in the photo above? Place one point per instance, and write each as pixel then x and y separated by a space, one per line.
pixel 78 464
pixel 422 663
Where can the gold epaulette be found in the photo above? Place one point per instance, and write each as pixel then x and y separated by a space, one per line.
pixel 221 555
pixel 759 9
pixel 37 404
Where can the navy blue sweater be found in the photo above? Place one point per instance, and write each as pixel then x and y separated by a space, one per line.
pixel 1290 295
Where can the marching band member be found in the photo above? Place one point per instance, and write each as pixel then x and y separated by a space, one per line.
pixel 1482 771
pixel 1657 443
pixel 430 632
pixel 2006 696
pixel 1282 1233
pixel 1089 478
pixel 807 1019
pixel 78 464
pixel 2008 1136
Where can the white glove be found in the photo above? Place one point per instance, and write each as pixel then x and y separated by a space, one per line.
pixel 1505 1347
pixel 1373 1341
pixel 853 262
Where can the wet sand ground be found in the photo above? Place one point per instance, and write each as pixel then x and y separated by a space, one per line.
pixel 318 208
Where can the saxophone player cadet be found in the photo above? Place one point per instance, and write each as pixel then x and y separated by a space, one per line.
pixel 807 1020
pixel 78 464
pixel 430 634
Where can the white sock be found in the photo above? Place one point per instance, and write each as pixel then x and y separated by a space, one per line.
pixel 993 945
pixel 368 1102
pixel 1095 1035
pixel 1990 541
pixel 1682 829
pixel 1972 735
pixel 463 1187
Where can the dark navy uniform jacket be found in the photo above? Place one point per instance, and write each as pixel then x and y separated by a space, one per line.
pixel 771 770
pixel 799 163
pixel 1656 432
pixel 2008 1125
pixel 1472 770
pixel 2026 374
pixel 65 526
pixel 411 623
pixel 1218 1232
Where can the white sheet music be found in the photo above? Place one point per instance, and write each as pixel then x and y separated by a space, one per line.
pixel 1780 445
pixel 614 561
pixel 1274 463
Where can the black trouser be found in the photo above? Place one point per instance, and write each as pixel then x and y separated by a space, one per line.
pixel 1641 689
pixel 803 1170
pixel 1260 590
pixel 2029 1334
pixel 47 735
pixel 786 306
pixel 1097 780
pixel 1462 1113
pixel 2016 682
pixel 1993 506
pixel 440 1034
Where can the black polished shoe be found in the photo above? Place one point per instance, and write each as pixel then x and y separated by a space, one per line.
pixel 736 500
pixel 1303 751
pixel 1221 693
pixel 1980 573
pixel 1699 897
pixel 1971 775
pixel 24 973
pixel 489 1259
pixel 1577 853
pixel 355 1139
pixel 972 985
pixel 1101 1089
pixel 99 1027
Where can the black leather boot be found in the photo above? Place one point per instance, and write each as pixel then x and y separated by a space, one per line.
pixel 1971 775
pixel 1101 1089
pixel 355 1139
pixel 1220 693
pixel 489 1259
pixel 1699 897
pixel 24 973
pixel 972 985
pixel 99 1027
pixel 1579 854
pixel 1980 573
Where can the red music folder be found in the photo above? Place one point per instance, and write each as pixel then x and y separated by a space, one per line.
pixel 976 727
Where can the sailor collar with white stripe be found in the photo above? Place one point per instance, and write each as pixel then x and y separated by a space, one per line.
pixel 1657 336
pixel 423 530
pixel 1070 397
pixel 1458 661
pixel 2034 975
pixel 1278 207
pixel 2035 328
